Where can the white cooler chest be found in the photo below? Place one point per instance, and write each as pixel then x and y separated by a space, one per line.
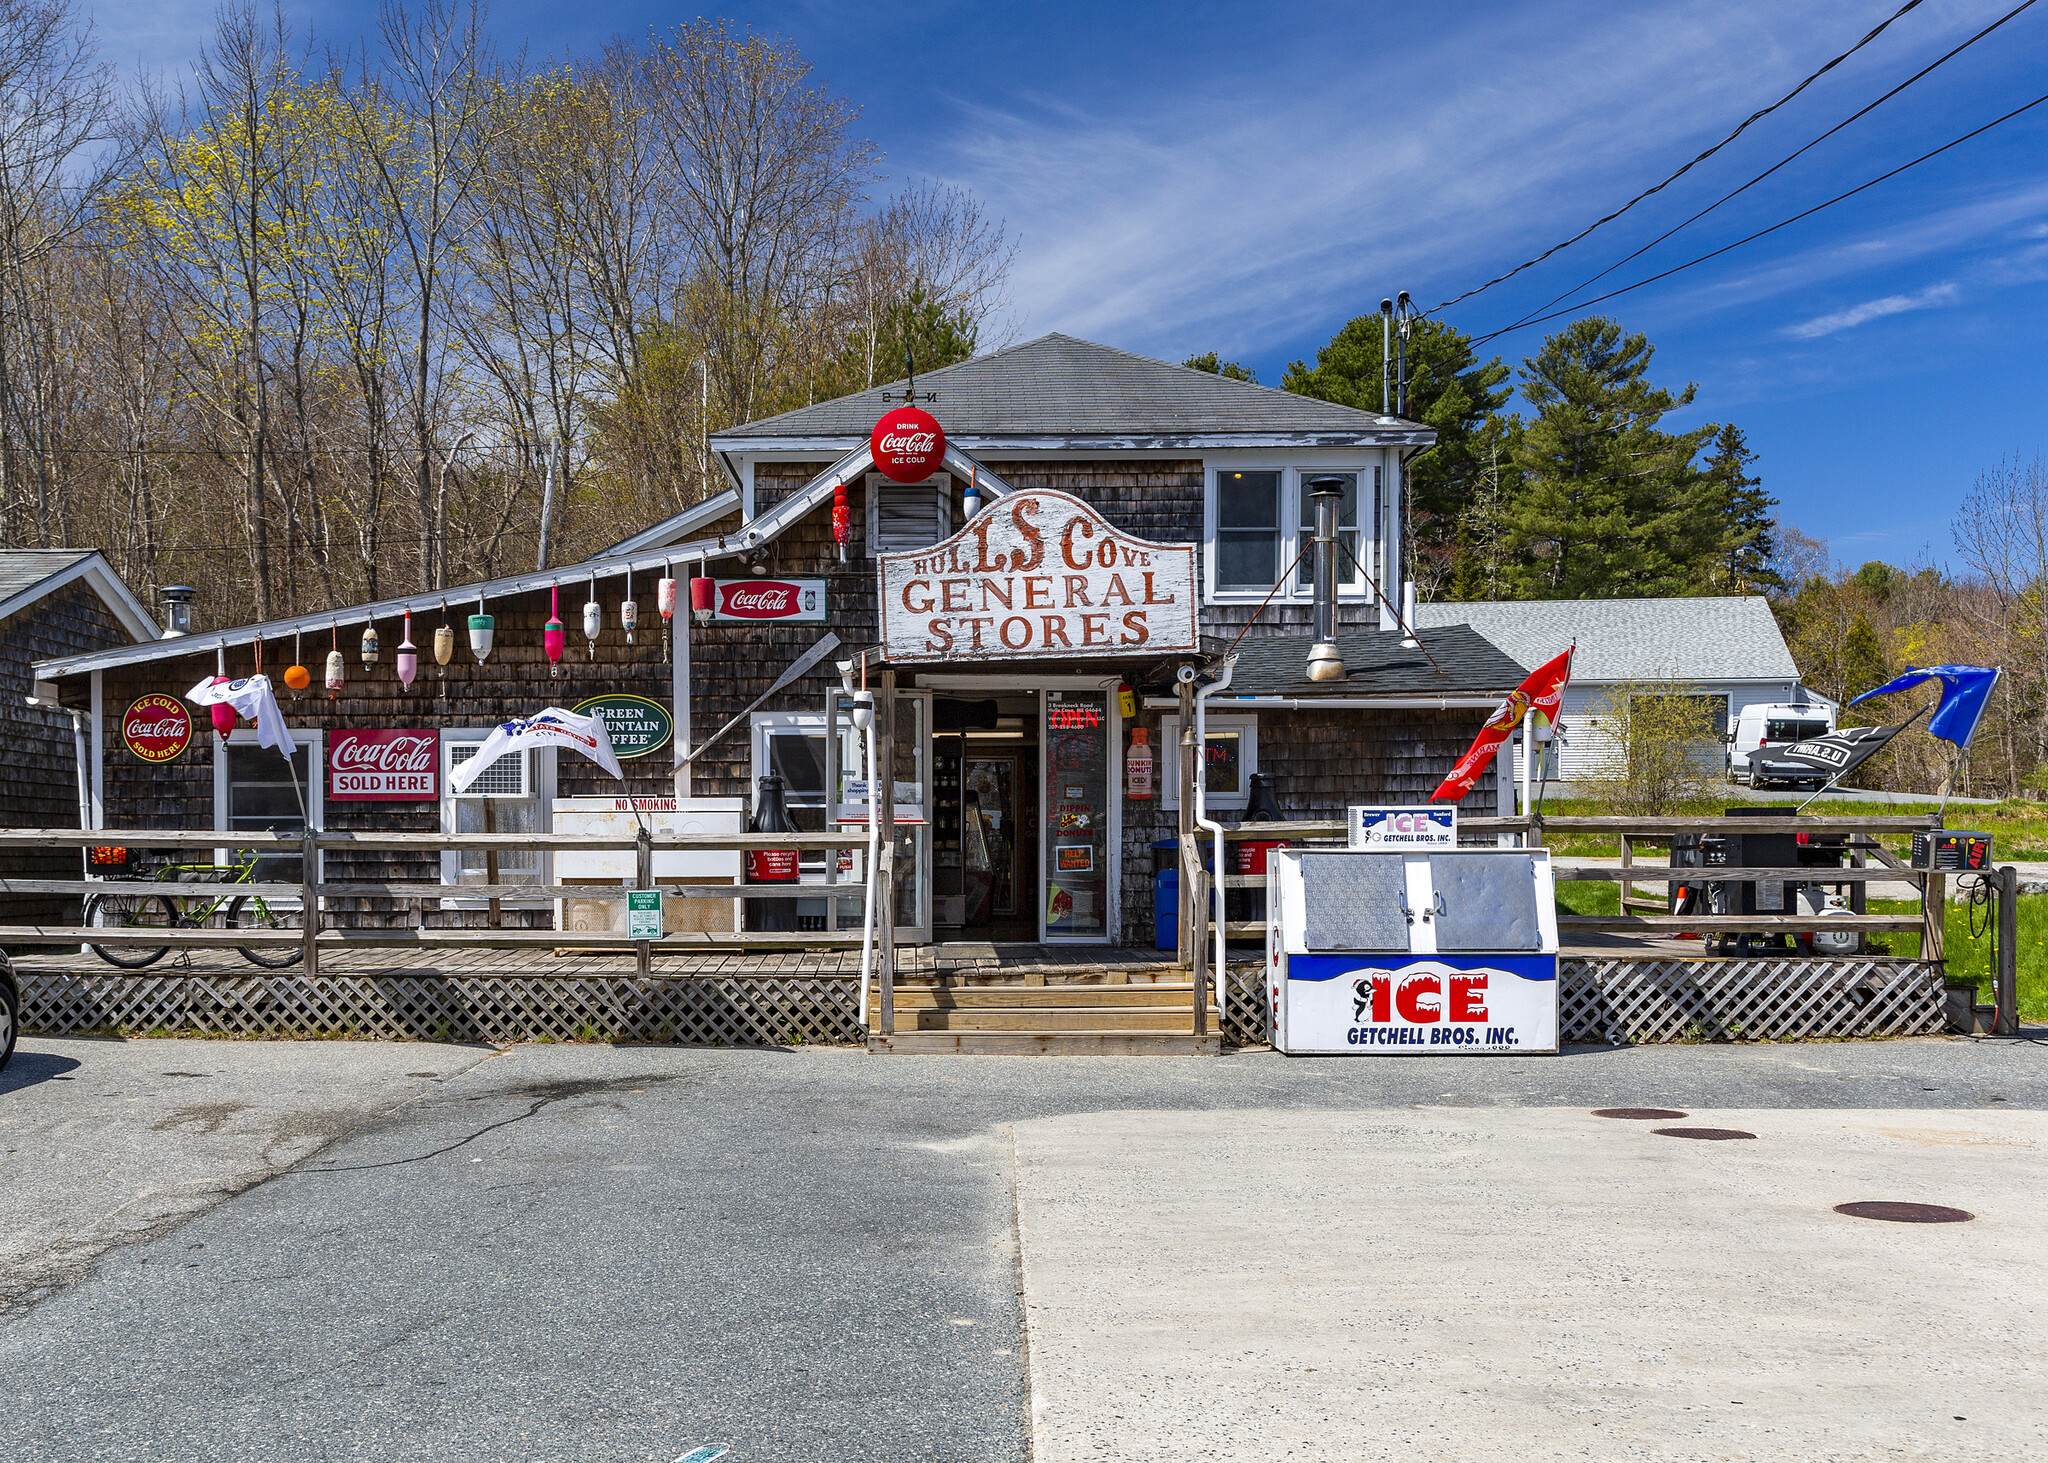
pixel 1440 953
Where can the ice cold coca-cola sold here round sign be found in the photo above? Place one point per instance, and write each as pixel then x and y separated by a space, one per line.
pixel 908 445
pixel 156 728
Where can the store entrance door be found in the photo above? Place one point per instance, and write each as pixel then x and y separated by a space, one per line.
pixel 985 829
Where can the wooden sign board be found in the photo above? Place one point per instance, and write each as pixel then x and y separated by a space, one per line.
pixel 1038 576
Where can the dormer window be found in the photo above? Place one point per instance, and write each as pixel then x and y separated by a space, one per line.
pixel 907 515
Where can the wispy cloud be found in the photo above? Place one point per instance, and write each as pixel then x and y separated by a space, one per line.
pixel 1932 297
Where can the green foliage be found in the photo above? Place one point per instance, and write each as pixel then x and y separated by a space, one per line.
pixel 1215 365
pixel 1748 520
pixel 1609 504
pixel 1448 389
pixel 933 335
pixel 1670 747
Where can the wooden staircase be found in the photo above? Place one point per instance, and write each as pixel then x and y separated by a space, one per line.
pixel 1147 1012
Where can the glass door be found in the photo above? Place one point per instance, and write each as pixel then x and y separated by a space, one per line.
pixel 1079 839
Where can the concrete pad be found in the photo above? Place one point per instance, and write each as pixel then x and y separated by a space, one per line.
pixel 103 1142
pixel 1531 1283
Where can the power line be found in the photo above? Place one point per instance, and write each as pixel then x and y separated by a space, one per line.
pixel 1659 187
pixel 1783 223
pixel 2026 4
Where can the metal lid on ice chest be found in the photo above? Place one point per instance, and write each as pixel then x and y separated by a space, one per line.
pixel 1353 901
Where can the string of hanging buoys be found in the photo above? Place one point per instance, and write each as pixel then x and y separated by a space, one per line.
pixel 553 638
pixel 296 676
pixel 408 657
pixel 593 618
pixel 629 612
pixel 665 601
pixel 444 644
pixel 337 668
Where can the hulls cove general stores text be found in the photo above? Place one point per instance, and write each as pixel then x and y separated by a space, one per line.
pixel 1042 575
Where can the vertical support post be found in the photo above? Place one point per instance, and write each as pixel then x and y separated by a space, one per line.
pixel 679 694
pixel 1203 914
pixel 882 808
pixel 643 849
pixel 1859 892
pixel 2007 975
pixel 490 863
pixel 1933 916
pixel 1528 761
pixel 1184 759
pixel 309 899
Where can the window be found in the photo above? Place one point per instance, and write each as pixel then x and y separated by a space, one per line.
pixel 256 791
pixel 1228 762
pixel 907 516
pixel 1778 729
pixel 509 797
pixel 1264 527
pixel 1348 558
pixel 1247 530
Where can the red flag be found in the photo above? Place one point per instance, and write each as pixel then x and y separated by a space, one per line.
pixel 1541 693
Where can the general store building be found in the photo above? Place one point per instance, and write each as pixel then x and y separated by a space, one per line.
pixel 1143 517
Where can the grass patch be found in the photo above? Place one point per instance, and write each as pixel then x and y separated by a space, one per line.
pixel 1968 957
pixel 1588 897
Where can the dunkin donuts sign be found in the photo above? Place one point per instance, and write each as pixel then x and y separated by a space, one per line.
pixel 384 766
pixel 800 600
pixel 1037 576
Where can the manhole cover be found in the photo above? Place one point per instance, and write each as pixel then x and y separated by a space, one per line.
pixel 1711 1135
pixel 1901 1213
pixel 1643 1114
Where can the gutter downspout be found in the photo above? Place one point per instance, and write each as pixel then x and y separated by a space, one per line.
pixel 864 719
pixel 1202 818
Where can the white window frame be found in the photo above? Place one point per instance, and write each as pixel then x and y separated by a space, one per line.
pixel 542 786
pixel 1376 508
pixel 315 743
pixel 941 488
pixel 1247 729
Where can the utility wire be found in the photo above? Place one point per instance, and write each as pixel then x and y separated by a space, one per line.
pixel 1724 198
pixel 1783 223
pixel 1659 187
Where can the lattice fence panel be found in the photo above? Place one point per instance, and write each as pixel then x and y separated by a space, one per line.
pixel 1700 1000
pixel 726 1010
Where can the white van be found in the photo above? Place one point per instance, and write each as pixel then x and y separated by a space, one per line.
pixel 1765 725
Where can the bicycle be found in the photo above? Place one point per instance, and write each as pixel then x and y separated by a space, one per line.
pixel 126 910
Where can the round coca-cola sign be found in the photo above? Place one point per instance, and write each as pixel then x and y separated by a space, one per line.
pixel 908 445
pixel 156 728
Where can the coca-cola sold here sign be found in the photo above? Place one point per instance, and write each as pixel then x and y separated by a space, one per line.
pixel 384 766
pixel 1035 576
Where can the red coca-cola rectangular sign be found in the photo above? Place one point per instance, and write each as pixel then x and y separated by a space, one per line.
pixel 384 766
pixel 801 600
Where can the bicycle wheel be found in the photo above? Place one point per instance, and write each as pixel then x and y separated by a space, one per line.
pixel 253 913
pixel 126 911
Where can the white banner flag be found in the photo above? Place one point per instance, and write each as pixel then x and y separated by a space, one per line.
pixel 552 727
pixel 252 697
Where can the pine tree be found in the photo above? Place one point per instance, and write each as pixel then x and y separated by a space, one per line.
pixel 1215 365
pixel 1608 505
pixel 1448 389
pixel 1749 522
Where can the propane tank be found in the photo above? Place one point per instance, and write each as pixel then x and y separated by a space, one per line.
pixel 593 624
pixel 408 657
pixel 771 865
pixel 369 645
pixel 1138 766
pixel 553 638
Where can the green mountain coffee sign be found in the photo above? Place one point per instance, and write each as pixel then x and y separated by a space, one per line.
pixel 637 725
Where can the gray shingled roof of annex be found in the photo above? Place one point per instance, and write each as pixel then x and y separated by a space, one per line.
pixel 1708 638
pixel 1057 386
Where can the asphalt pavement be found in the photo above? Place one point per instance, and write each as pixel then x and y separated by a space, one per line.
pixel 592 1253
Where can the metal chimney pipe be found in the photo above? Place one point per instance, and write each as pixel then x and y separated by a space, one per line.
pixel 177 600
pixel 1327 496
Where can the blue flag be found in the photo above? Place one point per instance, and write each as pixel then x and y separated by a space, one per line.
pixel 1965 689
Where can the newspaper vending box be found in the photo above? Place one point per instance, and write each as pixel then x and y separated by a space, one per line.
pixel 1429 953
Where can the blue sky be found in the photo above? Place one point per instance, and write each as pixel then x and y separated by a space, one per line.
pixel 1182 177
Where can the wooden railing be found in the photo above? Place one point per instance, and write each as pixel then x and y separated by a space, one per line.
pixel 1862 846
pixel 316 933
